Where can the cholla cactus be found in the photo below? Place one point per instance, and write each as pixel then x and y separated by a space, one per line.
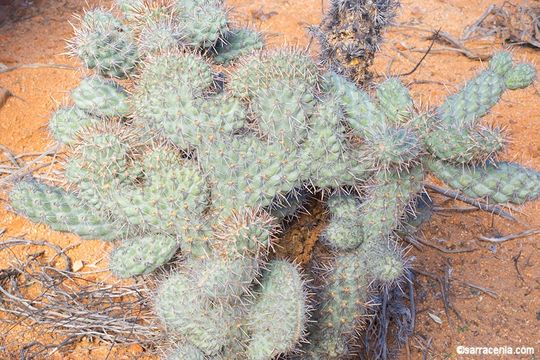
pixel 350 34
pixel 183 164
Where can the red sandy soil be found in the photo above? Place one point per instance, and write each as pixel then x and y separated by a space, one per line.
pixel 511 269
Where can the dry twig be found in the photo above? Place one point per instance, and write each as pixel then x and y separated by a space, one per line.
pixel 486 291
pixel 445 250
pixel 37 66
pixel 458 45
pixel 442 36
pixel 522 234
pixel 5 95
pixel 28 168
pixel 70 305
pixel 494 209
pixel 513 23
pixel 434 38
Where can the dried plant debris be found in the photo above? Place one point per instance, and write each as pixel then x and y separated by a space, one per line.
pixel 350 34
pixel 42 291
pixel 512 23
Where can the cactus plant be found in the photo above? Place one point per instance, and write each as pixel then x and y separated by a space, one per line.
pixel 204 22
pixel 101 97
pixel 186 352
pixel 350 34
pixel 142 255
pixel 67 122
pixel 237 42
pixel 63 211
pixel 277 319
pixel 158 36
pixel 188 162
pixel 103 43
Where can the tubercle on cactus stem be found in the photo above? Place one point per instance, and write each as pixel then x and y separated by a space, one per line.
pixel 178 163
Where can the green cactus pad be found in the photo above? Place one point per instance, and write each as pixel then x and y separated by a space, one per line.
pixel 142 255
pixel 62 211
pixel 395 100
pixel 224 279
pixel 186 351
pixel 347 284
pixel 66 123
pixel 103 43
pixel 498 182
pixel 282 111
pixel 139 13
pixel 101 97
pixel 203 22
pixel 392 147
pixel 169 100
pixel 100 162
pixel 521 76
pixel 171 194
pixel 175 69
pixel 389 267
pixel 185 310
pixel 237 43
pixel 460 145
pixel 360 111
pixel 344 230
pixel 329 159
pixel 261 171
pixel 158 37
pixel 279 317
pixel 174 114
pixel 246 232
pixel 223 114
pixel 387 201
pixel 501 63
pixel 475 100
pixel 288 65
pixel 343 308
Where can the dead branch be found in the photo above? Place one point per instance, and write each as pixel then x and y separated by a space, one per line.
pixel 522 234
pixel 444 37
pixel 434 37
pixel 27 168
pixel 493 209
pixel 486 291
pixel 457 44
pixel 71 305
pixel 37 66
pixel 518 24
pixel 445 250
pixel 469 30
